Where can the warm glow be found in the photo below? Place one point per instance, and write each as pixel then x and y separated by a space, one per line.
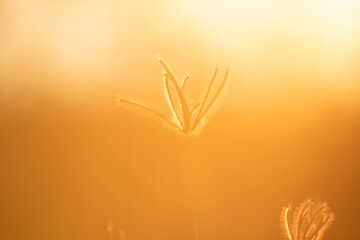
pixel 81 35
pixel 91 89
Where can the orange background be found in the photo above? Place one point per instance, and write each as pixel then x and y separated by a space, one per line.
pixel 288 128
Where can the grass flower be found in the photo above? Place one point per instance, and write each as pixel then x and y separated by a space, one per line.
pixel 307 222
pixel 185 117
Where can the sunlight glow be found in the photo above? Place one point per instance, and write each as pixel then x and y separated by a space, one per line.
pixel 82 35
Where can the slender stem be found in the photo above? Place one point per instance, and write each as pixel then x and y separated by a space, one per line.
pixel 195 215
pixel 190 171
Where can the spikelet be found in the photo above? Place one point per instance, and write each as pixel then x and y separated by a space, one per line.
pixel 185 119
pixel 307 222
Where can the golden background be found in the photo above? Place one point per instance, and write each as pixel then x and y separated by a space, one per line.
pixel 288 128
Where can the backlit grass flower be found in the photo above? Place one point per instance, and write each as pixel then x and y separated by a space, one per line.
pixel 185 117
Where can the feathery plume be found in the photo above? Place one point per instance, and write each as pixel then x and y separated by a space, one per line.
pixel 307 222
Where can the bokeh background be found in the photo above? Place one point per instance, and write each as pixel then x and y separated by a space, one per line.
pixel 71 160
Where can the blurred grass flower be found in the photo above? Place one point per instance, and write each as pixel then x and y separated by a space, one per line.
pixel 307 222
pixel 110 229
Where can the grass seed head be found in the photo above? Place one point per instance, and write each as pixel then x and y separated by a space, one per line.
pixel 185 118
